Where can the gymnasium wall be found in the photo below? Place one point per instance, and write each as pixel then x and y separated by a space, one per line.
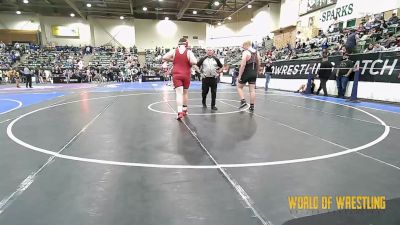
pixel 240 28
pixel 290 13
pixel 19 22
pixel 98 31
pixel 21 28
pixel 112 31
pixel 152 33
pixel 48 38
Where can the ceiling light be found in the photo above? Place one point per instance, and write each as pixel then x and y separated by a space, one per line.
pixel 216 3
pixel 88 5
pixel 166 18
pixel 122 17
pixel 229 18
pixel 160 0
pixel 26 1
pixel 249 6
pixel 194 12
pixel 219 23
pixel 18 12
pixel 72 15
pixel 144 8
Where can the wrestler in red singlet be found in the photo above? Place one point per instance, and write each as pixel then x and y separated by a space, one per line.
pixel 182 59
pixel 181 69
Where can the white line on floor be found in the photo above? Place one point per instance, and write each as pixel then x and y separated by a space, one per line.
pixel 108 162
pixel 11 100
pixel 333 114
pixel 7 120
pixel 320 138
pixel 58 102
pixel 31 178
pixel 242 193
pixel 378 160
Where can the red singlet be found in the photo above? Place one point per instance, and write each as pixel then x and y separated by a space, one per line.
pixel 181 69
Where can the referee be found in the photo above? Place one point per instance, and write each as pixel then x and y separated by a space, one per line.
pixel 210 67
pixel 28 77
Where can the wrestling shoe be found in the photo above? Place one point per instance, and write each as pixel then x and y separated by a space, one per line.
pixel 242 104
pixel 251 109
pixel 180 116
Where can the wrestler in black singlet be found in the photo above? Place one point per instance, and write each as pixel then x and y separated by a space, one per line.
pixel 250 71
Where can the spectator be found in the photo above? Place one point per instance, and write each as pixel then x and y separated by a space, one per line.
pixel 269 43
pixel 324 74
pixel 390 39
pixel 342 75
pixel 351 41
pixel 393 20
pixel 343 50
pixel 303 87
pixel 287 49
pixel 377 22
pixel 369 49
pixel 374 34
pixel 378 48
pixel 324 42
pixel 16 76
pixel 334 27
pixel 361 28
pixel 293 55
pixel 384 25
pixel 267 73
pixel 335 52
pixel 289 55
pixel 298 39
pixel 367 25
pixel 235 75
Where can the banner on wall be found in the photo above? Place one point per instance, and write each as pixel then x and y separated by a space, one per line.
pixel 65 31
pixel 307 6
pixel 337 12
pixel 374 67
pixel 345 10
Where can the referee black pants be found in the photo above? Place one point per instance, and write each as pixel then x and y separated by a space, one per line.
pixel 322 86
pixel 207 83
pixel 28 81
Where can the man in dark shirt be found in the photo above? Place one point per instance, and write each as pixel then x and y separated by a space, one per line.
pixel 324 74
pixel 211 67
pixel 267 73
pixel 390 40
pixel 342 74
pixel 393 20
pixel 28 77
pixel 351 41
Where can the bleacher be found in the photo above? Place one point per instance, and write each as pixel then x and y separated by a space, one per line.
pixel 51 58
pixel 104 59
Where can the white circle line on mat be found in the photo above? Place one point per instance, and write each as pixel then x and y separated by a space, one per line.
pixel 151 108
pixel 11 100
pixel 167 166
